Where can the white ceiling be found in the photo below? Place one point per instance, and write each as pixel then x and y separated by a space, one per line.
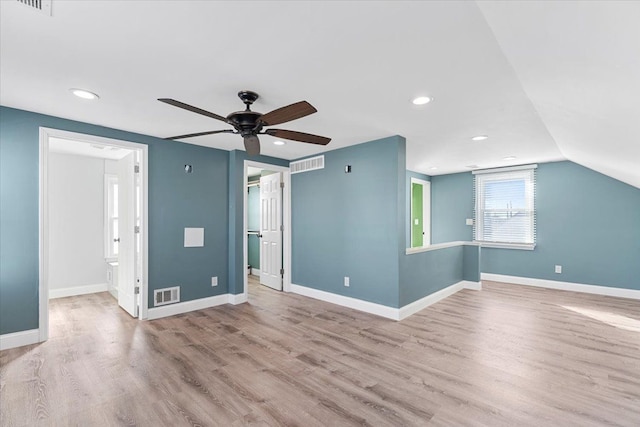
pixel 545 80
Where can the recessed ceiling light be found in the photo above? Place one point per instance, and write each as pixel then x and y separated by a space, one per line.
pixel 472 166
pixel 421 100
pixel 480 137
pixel 509 158
pixel 84 94
pixel 278 142
pixel 433 168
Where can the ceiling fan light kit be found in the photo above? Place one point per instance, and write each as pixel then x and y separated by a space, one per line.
pixel 249 124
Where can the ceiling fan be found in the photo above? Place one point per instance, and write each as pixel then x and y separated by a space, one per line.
pixel 249 123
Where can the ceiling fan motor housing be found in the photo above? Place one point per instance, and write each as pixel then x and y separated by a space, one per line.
pixel 245 121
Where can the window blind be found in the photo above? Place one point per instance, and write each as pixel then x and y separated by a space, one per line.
pixel 505 206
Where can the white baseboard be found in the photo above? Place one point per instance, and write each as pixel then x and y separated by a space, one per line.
pixel 563 286
pixel 78 290
pixel 255 272
pixel 18 339
pixel 433 298
pixel 474 286
pixel 236 299
pixel 187 306
pixel 355 303
pixel 383 310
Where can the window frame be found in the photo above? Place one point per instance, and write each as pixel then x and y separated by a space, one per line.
pixel 110 180
pixel 528 173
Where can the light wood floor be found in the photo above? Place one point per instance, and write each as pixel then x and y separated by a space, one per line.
pixel 508 355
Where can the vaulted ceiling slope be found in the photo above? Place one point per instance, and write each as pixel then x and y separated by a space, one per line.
pixel 545 80
pixel 579 64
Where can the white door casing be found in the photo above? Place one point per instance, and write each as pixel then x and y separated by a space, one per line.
pixel 426 211
pixel 127 298
pixel 43 244
pixel 271 231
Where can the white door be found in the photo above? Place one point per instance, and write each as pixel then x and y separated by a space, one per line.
pixel 127 298
pixel 271 231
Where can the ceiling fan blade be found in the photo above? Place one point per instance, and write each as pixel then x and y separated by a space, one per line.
pixel 191 135
pixel 192 109
pixel 288 113
pixel 252 145
pixel 298 136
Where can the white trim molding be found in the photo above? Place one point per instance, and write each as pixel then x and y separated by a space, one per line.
pixel 355 303
pixel 187 306
pixel 18 339
pixel 236 299
pixel 78 290
pixel 419 249
pixel 563 286
pixel 424 302
pixel 383 310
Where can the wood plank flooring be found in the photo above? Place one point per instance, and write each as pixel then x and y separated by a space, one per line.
pixel 506 356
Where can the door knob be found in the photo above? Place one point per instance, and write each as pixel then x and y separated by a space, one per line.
pixel 117 240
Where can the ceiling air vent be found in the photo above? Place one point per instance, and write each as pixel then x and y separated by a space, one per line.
pixel 43 6
pixel 306 165
pixel 166 296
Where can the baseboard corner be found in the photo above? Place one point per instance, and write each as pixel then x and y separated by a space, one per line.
pixel 19 339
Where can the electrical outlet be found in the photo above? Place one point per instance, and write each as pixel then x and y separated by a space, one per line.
pixel 346 281
pixel 558 269
pixel 214 281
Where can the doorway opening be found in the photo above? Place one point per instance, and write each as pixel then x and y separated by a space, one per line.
pixel 267 226
pixel 420 215
pixel 93 221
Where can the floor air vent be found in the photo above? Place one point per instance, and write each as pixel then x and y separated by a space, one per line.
pixel 306 165
pixel 167 296
pixel 43 6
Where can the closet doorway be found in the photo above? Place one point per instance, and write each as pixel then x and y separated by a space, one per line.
pixel 267 225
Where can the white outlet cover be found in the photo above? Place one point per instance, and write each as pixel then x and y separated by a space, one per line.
pixel 214 281
pixel 193 237
pixel 346 281
pixel 558 269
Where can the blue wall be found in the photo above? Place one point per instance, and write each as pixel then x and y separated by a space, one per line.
pixel 587 222
pixel 451 205
pixel 176 200
pixel 351 224
pixel 424 273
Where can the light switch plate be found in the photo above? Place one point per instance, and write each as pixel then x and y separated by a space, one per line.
pixel 469 221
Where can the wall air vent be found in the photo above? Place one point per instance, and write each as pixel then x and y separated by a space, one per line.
pixel 166 296
pixel 306 165
pixel 43 6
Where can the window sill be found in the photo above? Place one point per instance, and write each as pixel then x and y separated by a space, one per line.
pixel 517 246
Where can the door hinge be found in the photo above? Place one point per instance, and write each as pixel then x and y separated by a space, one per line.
pixel 282 272
pixel 136 169
pixel 282 228
pixel 136 229
pixel 136 290
pixel 282 185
